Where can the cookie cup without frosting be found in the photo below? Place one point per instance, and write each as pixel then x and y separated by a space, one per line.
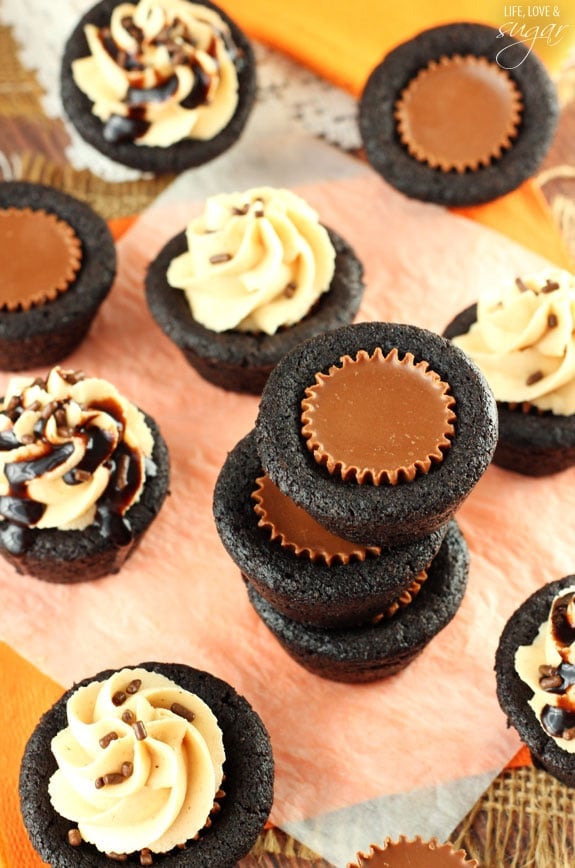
pixel 514 694
pixel 174 158
pixel 47 333
pixel 248 781
pixel 533 444
pixel 241 361
pixel 385 514
pixel 375 651
pixel 68 556
pixel 303 590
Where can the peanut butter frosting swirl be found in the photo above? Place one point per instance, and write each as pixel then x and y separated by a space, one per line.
pixel 40 256
pixel 524 340
pixel 163 71
pixel 73 452
pixel 548 667
pixel 139 764
pixel 256 261
pixel 376 418
pixel 297 531
pixel 459 113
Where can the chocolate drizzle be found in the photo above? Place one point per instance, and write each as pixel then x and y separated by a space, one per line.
pixel 20 512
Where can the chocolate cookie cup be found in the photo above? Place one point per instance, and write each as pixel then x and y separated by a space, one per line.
pixel 233 830
pixel 514 694
pixel 302 589
pixel 382 514
pixel 531 443
pixel 375 651
pixel 514 83
pixel 241 361
pixel 180 155
pixel 48 322
pixel 129 490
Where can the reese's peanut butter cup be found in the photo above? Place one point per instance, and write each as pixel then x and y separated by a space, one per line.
pixel 459 113
pixel 412 854
pixel 294 529
pixel 378 418
pixel 40 254
pixel 405 598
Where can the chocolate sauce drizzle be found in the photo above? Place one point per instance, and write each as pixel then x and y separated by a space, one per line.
pixel 181 48
pixel 20 512
pixel 559 719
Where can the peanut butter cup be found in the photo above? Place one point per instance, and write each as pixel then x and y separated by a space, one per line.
pixel 40 256
pixel 416 853
pixel 376 418
pixel 405 598
pixel 59 261
pixel 305 590
pixel 294 529
pixel 459 113
pixel 383 515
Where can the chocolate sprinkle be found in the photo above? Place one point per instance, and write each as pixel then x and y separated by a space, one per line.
pixel 106 739
pixel 548 682
pixel 134 685
pixel 521 286
pixel 74 838
pixel 117 857
pixel 139 730
pixel 550 286
pixel 128 716
pixel 127 769
pixel 290 289
pixel 99 783
pixel 217 258
pixel 119 698
pixel 182 711
pixel 552 321
pixel 82 475
pixel 534 378
pixel 146 857
pixel 113 778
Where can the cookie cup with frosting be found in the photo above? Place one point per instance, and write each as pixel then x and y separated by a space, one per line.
pixel 83 473
pixel 521 336
pixel 235 812
pixel 533 671
pixel 158 85
pixel 251 277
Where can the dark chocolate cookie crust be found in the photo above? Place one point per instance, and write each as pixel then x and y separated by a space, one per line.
pixel 48 333
pixel 513 694
pixel 529 443
pixel 174 158
pixel 370 514
pixel 373 652
pixel 239 361
pixel 79 556
pixel 391 159
pixel 248 784
pixel 313 593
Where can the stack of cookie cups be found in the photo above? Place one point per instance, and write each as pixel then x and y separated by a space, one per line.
pixel 338 508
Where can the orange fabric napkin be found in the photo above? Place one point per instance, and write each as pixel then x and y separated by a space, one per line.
pixel 24 688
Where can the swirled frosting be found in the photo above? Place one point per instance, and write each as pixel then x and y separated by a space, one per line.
pixel 72 451
pixel 162 71
pixel 548 667
pixel 139 763
pixel 524 340
pixel 256 261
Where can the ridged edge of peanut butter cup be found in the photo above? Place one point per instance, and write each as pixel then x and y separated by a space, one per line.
pixel 344 463
pixel 284 521
pixel 41 253
pixel 444 145
pixel 416 853
pixel 405 598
